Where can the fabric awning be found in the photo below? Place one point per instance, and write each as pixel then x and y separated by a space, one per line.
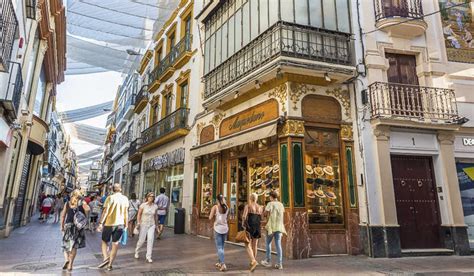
pixel 254 134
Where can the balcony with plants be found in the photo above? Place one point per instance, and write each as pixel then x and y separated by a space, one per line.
pixel 171 127
pixel 395 103
pixel 403 18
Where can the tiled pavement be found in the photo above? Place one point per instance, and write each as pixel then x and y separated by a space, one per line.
pixel 35 249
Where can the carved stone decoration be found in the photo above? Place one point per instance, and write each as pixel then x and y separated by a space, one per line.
pixel 346 133
pixel 281 93
pixel 297 90
pixel 216 121
pixel 382 133
pixel 446 138
pixel 292 128
pixel 199 127
pixel 344 98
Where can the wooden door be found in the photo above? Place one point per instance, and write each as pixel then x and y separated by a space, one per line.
pixel 416 201
pixel 393 8
pixel 405 97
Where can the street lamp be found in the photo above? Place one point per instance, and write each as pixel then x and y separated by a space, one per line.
pixel 133 52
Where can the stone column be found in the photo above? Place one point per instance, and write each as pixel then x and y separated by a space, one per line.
pixel 454 230
pixel 384 234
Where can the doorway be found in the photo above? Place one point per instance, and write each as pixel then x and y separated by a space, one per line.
pixel 236 192
pixel 416 201
pixel 20 201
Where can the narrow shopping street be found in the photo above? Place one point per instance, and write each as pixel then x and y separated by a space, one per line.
pixel 35 249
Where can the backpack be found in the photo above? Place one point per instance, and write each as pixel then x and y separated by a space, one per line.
pixel 79 219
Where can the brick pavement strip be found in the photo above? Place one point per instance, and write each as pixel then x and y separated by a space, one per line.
pixel 35 249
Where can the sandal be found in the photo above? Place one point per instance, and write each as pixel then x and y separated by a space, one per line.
pixel 66 264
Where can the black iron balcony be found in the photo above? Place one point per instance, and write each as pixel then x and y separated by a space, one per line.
pixel 402 101
pixel 111 119
pixel 122 141
pixel 283 39
pixel 174 121
pixel 133 152
pixel 141 99
pixel 127 105
pixel 8 26
pixel 10 99
pixel 30 9
pixel 175 54
pixel 401 8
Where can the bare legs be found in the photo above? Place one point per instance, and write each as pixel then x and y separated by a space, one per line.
pixel 113 252
pixel 131 226
pixel 105 251
pixel 251 248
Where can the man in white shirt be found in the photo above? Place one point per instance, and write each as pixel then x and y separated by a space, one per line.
pixel 163 202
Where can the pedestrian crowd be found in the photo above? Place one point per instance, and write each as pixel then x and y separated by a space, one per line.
pixel 118 218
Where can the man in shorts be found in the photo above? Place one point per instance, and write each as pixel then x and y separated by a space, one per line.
pixel 113 223
pixel 163 202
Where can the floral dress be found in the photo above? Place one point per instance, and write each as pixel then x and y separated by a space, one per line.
pixel 73 237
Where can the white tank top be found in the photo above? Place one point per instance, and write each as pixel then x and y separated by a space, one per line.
pixel 220 224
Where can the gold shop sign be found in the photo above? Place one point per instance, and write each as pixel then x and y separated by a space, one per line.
pixel 249 118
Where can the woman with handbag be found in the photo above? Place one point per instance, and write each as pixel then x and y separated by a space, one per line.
pixel 134 204
pixel 73 223
pixel 147 221
pixel 252 217
pixel 219 212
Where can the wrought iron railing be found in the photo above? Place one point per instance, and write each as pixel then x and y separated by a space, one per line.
pixel 11 99
pixel 183 46
pixel 30 9
pixel 124 139
pixel 402 8
pixel 176 120
pixel 142 94
pixel 134 145
pixel 127 105
pixel 111 119
pixel 8 26
pixel 404 101
pixel 282 39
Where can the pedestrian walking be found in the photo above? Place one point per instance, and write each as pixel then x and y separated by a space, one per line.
pixel 147 220
pixel 73 222
pixel 275 227
pixel 133 212
pixel 113 223
pixel 46 207
pixel 58 207
pixel 94 205
pixel 163 202
pixel 252 217
pixel 219 214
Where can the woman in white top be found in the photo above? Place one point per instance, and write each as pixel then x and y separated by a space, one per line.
pixel 219 212
pixel 147 216
pixel 133 204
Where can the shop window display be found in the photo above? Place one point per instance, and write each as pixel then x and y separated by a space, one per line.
pixel 207 191
pixel 264 178
pixel 322 177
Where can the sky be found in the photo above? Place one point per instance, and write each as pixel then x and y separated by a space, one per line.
pixel 79 91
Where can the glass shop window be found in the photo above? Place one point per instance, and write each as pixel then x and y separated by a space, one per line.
pixel 323 177
pixel 206 187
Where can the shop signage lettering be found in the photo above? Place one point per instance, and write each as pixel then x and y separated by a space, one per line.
pixel 468 141
pixel 166 160
pixel 172 178
pixel 249 118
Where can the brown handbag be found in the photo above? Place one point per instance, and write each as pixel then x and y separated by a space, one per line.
pixel 243 236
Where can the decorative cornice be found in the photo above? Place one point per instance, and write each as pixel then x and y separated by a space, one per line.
pixel 216 121
pixel 297 90
pixel 292 128
pixel 342 95
pixel 280 93
pixel 446 138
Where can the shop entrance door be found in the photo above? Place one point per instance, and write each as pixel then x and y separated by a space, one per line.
pixel 236 193
pixel 416 201
pixel 20 201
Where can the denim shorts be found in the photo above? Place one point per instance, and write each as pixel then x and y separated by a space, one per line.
pixel 161 219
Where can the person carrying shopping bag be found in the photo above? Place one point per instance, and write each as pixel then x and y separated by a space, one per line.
pixel 146 223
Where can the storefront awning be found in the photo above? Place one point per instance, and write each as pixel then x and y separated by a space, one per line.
pixel 254 134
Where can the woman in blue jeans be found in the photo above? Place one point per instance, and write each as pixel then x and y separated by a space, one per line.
pixel 275 229
pixel 219 212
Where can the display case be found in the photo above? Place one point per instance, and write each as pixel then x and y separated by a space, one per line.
pixel 206 187
pixel 324 198
pixel 264 177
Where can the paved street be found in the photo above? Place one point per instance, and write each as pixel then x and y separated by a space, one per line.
pixel 35 249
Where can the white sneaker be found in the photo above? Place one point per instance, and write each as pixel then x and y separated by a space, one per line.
pixel 136 255
pixel 149 260
pixel 279 266
pixel 265 263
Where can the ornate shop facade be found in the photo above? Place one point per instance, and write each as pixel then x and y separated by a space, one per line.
pixel 278 116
